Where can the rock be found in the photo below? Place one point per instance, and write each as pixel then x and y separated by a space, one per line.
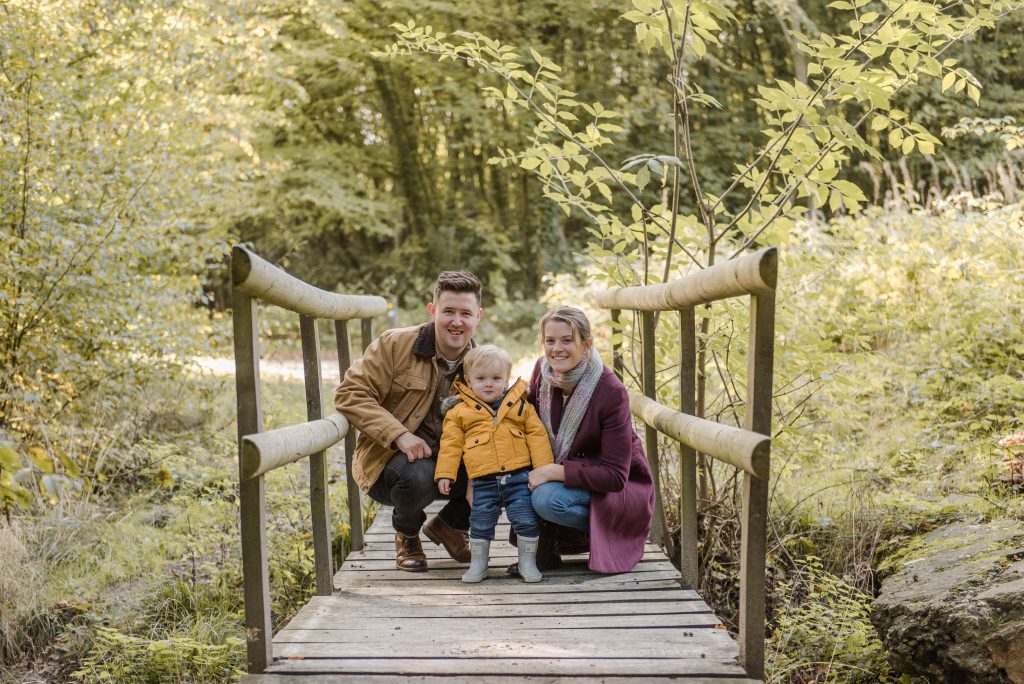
pixel 952 606
pixel 1007 647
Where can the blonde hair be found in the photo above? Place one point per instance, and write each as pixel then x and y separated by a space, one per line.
pixel 484 356
pixel 571 316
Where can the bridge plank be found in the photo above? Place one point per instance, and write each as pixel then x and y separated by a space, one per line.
pixel 574 626
pixel 637 670
pixel 363 678
pixel 472 606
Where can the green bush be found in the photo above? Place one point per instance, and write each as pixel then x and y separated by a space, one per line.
pixel 822 632
pixel 120 657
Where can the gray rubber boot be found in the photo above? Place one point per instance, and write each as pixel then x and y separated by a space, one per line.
pixel 481 553
pixel 528 559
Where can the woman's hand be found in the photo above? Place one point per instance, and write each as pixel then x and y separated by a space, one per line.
pixel 552 472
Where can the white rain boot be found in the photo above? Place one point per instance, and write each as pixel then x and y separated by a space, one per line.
pixel 481 552
pixel 528 559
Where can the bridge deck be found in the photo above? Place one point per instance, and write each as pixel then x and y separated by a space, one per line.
pixel 384 625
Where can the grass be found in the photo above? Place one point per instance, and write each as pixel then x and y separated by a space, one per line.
pixel 138 577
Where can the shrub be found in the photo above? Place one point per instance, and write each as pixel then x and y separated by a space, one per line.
pixel 120 657
pixel 822 631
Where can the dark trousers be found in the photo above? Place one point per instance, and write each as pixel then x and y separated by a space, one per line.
pixel 410 488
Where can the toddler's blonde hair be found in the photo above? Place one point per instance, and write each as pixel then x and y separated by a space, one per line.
pixel 484 356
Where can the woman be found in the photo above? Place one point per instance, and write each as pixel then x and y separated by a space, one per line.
pixel 600 483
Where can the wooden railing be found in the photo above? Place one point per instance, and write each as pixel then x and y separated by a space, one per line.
pixel 747 449
pixel 253 280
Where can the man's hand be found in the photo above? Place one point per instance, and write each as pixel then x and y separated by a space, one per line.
pixel 444 485
pixel 412 446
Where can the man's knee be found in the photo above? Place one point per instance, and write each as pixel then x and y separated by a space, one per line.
pixel 416 484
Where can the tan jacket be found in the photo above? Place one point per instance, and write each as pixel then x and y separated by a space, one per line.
pixel 387 392
pixel 492 443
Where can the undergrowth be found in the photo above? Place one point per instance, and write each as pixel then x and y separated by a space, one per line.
pixel 135 575
pixel 899 369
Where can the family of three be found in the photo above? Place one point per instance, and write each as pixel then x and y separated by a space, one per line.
pixel 436 417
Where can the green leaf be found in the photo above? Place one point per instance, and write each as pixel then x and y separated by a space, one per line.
pixel 643 177
pixel 41 459
pixel 9 459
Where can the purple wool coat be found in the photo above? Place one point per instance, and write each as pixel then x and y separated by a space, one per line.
pixel 607 459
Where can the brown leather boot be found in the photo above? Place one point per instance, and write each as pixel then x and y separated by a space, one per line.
pixel 409 554
pixel 455 542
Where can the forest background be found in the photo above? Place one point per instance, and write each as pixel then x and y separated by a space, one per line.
pixel 138 141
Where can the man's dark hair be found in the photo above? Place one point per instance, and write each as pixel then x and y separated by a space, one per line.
pixel 458 281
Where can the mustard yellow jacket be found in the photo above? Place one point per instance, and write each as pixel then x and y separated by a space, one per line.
pixel 492 443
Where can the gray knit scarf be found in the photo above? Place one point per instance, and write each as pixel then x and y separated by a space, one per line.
pixel 581 381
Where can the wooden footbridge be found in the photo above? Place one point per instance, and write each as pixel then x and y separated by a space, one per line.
pixel 372 623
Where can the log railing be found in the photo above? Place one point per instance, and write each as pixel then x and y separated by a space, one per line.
pixel 253 280
pixel 747 449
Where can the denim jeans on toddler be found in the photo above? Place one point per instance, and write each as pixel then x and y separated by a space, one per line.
pixel 508 490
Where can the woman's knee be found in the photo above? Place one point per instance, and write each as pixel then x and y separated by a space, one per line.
pixel 546 501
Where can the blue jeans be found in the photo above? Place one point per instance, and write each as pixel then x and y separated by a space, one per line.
pixel 510 490
pixel 563 505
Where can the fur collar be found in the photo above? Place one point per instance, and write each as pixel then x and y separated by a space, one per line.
pixel 425 344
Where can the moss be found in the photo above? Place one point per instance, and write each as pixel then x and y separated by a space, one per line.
pixel 986 551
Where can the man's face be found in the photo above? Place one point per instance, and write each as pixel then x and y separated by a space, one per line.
pixel 455 316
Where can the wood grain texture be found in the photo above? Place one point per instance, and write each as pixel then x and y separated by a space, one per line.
pixel 260 279
pixel 319 505
pixel 272 449
pixel 354 500
pixel 255 568
pixel 744 449
pixel 575 626
pixel 751 274
pixel 315 677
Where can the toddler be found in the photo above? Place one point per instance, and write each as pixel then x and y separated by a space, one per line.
pixel 501 438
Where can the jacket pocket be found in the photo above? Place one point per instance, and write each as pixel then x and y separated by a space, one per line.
pixel 407 393
pixel 519 446
pixel 478 453
pixel 405 382
pixel 474 441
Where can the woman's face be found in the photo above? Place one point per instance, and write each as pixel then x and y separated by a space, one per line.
pixel 562 348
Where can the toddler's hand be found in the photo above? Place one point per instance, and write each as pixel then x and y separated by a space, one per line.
pixel 444 485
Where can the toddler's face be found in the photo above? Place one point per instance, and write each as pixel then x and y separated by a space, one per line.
pixel 488 382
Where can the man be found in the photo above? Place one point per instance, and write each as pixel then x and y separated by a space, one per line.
pixel 393 396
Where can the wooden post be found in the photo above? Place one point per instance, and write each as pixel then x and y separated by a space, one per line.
pixel 255 572
pixel 366 331
pixel 355 504
pixel 320 508
pixel 755 490
pixel 617 346
pixel 650 434
pixel 687 456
